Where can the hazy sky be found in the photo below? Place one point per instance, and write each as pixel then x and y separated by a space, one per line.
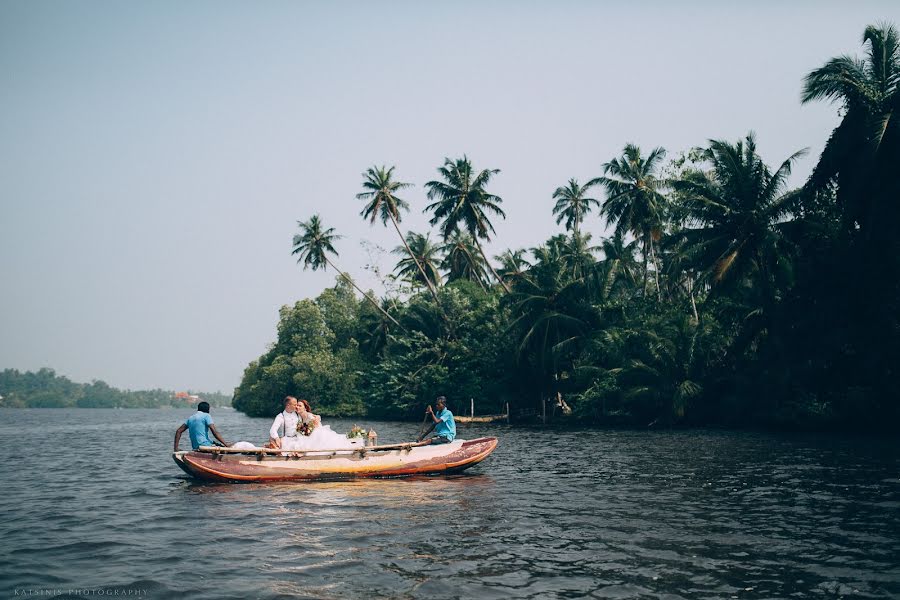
pixel 155 157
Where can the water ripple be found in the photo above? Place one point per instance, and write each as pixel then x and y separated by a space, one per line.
pixel 700 514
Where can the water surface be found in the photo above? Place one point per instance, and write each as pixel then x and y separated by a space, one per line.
pixel 606 514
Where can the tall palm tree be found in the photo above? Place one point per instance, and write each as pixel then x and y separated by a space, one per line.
pixel 572 203
pixel 382 202
pixel 421 261
pixel 864 150
pixel 634 201
pixel 313 245
pixel 462 203
pixel 738 207
pixel 462 260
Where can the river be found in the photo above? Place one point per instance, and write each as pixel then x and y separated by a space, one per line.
pixel 93 506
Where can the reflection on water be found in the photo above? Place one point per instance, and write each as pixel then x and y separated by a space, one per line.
pixel 548 515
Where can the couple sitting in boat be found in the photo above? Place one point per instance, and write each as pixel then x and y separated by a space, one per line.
pixel 303 430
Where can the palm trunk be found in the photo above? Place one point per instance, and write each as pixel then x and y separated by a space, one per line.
pixel 367 296
pixel 409 251
pixel 645 253
pixel 490 266
pixel 693 302
pixel 655 270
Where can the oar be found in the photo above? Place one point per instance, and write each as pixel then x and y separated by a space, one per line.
pixel 422 427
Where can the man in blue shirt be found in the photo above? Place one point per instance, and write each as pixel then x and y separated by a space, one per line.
pixel 199 425
pixel 442 423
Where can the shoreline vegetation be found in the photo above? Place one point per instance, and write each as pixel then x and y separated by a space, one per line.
pixel 721 298
pixel 45 389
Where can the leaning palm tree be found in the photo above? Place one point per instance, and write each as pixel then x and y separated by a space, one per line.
pixel 313 245
pixel 462 203
pixel 572 203
pixel 381 195
pixel 420 263
pixel 864 150
pixel 634 202
pixel 737 208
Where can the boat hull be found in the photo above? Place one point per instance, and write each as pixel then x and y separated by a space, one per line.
pixel 330 466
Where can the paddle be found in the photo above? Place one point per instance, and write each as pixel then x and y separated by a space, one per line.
pixel 422 427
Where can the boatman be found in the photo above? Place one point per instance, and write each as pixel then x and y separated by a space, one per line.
pixel 199 425
pixel 442 423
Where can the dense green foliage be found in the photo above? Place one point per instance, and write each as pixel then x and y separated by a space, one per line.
pixel 46 389
pixel 721 297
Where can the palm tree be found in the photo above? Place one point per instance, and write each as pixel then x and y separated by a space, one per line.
pixel 577 254
pixel 572 203
pixel 620 262
pixel 462 260
pixel 383 203
pixel 313 245
pixel 738 207
pixel 462 201
pixel 421 261
pixel 660 365
pixel 634 202
pixel 513 266
pixel 552 314
pixel 864 150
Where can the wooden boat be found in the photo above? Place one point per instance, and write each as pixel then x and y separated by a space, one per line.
pixel 471 418
pixel 483 419
pixel 396 460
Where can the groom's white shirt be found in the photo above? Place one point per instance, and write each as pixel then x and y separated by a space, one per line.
pixel 286 420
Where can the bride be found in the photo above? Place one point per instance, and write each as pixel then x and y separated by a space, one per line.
pixel 303 430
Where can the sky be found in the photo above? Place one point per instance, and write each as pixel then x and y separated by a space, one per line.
pixel 155 157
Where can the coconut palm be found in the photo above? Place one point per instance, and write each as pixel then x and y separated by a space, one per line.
pixel 420 263
pixel 313 245
pixel 462 260
pixel 864 150
pixel 572 203
pixel 551 313
pixel 382 202
pixel 621 265
pixel 738 207
pixel 461 202
pixel 513 266
pixel 634 202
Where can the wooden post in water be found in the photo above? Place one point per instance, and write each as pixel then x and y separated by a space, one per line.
pixel 472 407
pixel 543 409
pixel 507 413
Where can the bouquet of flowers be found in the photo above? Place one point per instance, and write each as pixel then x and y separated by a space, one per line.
pixel 305 428
pixel 357 432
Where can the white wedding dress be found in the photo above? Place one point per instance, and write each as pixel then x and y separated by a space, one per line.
pixel 323 437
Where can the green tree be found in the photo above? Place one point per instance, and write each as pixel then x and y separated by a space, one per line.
pixel 421 263
pixel 463 202
pixel 864 150
pixel 313 245
pixel 513 266
pixel 634 201
pixel 462 261
pixel 382 202
pixel 737 207
pixel 572 203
